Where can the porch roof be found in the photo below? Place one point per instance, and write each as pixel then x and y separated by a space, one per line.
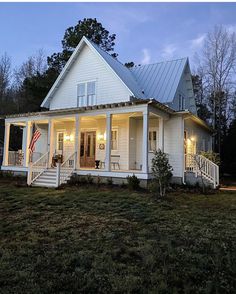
pixel 134 102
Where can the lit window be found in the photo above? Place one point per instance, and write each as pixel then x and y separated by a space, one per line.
pixel 60 141
pixel 114 140
pixel 152 146
pixel 86 94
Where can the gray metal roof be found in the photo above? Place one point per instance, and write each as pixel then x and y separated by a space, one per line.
pixel 122 71
pixel 160 80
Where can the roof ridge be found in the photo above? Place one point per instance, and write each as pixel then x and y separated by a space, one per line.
pixel 105 51
pixel 154 63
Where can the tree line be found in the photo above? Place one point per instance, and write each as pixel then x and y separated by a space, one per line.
pixel 22 89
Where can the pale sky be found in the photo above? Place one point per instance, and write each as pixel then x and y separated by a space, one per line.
pixel 146 32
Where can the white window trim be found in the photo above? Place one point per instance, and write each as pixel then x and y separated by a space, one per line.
pixel 153 129
pixel 59 132
pixel 86 91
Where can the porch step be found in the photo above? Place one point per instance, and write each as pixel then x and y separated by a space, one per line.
pixel 49 176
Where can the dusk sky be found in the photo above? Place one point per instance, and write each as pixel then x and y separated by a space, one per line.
pixel 146 32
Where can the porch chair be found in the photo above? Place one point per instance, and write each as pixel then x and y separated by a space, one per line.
pixel 115 162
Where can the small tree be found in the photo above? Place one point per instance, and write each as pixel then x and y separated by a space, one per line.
pixel 162 171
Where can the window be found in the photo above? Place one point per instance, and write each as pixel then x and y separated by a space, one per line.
pixel 181 102
pixel 86 94
pixel 60 141
pixel 81 95
pixel 152 142
pixel 114 140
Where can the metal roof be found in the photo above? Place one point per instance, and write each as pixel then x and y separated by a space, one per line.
pixel 73 110
pixel 121 70
pixel 160 80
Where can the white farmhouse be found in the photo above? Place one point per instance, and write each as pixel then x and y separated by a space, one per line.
pixel 105 119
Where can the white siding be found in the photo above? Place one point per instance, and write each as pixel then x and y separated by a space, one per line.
pixel 200 134
pixel 174 144
pixel 89 66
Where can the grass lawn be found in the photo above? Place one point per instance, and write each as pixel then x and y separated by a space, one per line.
pixel 110 240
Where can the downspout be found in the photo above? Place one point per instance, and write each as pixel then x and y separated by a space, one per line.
pixel 183 176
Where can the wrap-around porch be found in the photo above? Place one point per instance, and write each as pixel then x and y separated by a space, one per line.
pixel 105 143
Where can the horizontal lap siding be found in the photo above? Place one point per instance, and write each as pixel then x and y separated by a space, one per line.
pixel 89 66
pixel 200 134
pixel 174 144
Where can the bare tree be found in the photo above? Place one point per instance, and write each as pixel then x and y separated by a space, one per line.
pixel 5 75
pixel 35 64
pixel 217 68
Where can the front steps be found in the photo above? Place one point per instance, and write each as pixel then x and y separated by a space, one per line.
pixel 49 178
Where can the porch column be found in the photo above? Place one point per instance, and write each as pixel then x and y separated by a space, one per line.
pixel 50 139
pixel 27 142
pixel 161 134
pixel 6 143
pixel 77 141
pixel 108 142
pixel 145 141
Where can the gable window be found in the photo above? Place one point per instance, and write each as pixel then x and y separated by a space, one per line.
pixel 86 94
pixel 114 140
pixel 181 102
pixel 152 141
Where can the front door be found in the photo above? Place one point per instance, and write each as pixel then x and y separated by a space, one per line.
pixel 87 149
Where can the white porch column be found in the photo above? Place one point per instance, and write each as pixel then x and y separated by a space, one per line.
pixel 108 142
pixel 27 142
pixel 161 134
pixel 145 141
pixel 6 144
pixel 77 141
pixel 50 139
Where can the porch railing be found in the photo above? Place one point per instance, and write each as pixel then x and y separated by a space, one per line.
pixel 37 168
pixel 65 169
pixel 15 158
pixel 201 165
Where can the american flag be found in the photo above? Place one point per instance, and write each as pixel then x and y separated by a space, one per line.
pixel 36 135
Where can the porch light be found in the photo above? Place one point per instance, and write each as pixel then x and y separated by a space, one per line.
pixel 193 139
pixel 102 137
pixel 69 138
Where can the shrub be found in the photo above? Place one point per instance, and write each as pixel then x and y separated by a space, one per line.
pixel 133 182
pixel 214 157
pixel 109 182
pixel 162 171
pixel 89 179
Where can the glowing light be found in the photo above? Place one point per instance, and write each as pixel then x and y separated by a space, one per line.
pixel 69 137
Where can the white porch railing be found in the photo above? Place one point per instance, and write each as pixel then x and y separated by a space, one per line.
pixel 37 168
pixel 65 169
pixel 15 158
pixel 201 165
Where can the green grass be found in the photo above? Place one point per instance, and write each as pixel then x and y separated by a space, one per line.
pixel 100 240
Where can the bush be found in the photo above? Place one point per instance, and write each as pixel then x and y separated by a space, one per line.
pixel 212 156
pixel 109 182
pixel 133 182
pixel 162 171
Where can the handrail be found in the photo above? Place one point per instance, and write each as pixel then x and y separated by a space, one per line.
pixel 202 166
pixel 63 174
pixel 37 168
pixel 70 157
pixel 34 164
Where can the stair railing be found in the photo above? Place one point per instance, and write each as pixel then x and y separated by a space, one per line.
pixel 201 165
pixel 65 169
pixel 37 168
